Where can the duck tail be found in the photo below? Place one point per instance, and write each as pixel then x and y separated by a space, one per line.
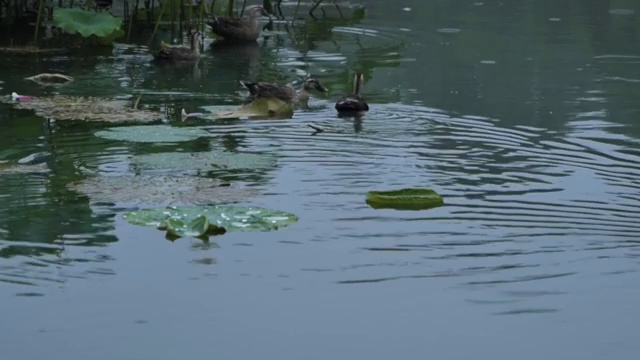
pixel 251 86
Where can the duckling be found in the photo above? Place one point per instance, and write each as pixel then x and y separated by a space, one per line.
pixel 285 93
pixel 181 53
pixel 237 29
pixel 353 102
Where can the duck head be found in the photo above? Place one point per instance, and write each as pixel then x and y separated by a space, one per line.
pixel 196 40
pixel 258 11
pixel 313 84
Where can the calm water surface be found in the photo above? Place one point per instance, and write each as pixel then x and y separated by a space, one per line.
pixel 524 115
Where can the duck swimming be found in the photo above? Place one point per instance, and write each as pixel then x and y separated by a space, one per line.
pixel 285 93
pixel 238 29
pixel 353 102
pixel 181 53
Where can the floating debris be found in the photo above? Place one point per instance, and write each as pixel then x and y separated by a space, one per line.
pixel 50 79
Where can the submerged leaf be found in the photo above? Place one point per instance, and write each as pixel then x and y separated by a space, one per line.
pixel 159 190
pixel 61 107
pixel 152 133
pixel 203 161
pixel 271 108
pixel 229 217
pixel 86 23
pixel 404 199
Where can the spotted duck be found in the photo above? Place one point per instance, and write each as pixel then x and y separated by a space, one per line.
pixel 181 53
pixel 285 93
pixel 238 29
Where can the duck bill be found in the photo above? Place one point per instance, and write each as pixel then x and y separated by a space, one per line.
pixel 322 88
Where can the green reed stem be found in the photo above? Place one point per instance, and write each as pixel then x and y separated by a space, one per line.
pixel 155 28
pixel 35 36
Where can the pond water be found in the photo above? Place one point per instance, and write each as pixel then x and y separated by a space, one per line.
pixel 524 115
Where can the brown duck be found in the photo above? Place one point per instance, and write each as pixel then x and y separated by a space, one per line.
pixel 238 29
pixel 353 102
pixel 285 93
pixel 181 53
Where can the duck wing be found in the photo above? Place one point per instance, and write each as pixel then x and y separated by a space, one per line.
pixel 235 28
pixel 266 90
pixel 175 53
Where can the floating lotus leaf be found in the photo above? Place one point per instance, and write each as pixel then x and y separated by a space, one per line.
pixel 198 227
pixel 203 161
pixel 271 108
pixel 404 199
pixel 96 109
pixel 86 23
pixel 152 133
pixel 159 190
pixel 228 217
pixel 50 79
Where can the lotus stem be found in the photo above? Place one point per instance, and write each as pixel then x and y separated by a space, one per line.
pixel 135 105
pixel 295 12
pixel 244 4
pixel 314 7
pixel 267 5
pixel 164 4
pixel 202 11
pixel 135 11
pixel 35 36
pixel 230 8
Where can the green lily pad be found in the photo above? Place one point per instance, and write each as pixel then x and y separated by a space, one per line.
pixel 203 161
pixel 198 227
pixel 60 107
pixel 404 199
pixel 269 108
pixel 152 133
pixel 227 217
pixel 86 23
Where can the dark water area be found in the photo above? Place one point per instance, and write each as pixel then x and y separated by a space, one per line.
pixel 523 115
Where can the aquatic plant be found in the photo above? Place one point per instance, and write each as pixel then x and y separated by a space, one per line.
pixel 198 221
pixel 271 108
pixel 87 23
pixel 404 199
